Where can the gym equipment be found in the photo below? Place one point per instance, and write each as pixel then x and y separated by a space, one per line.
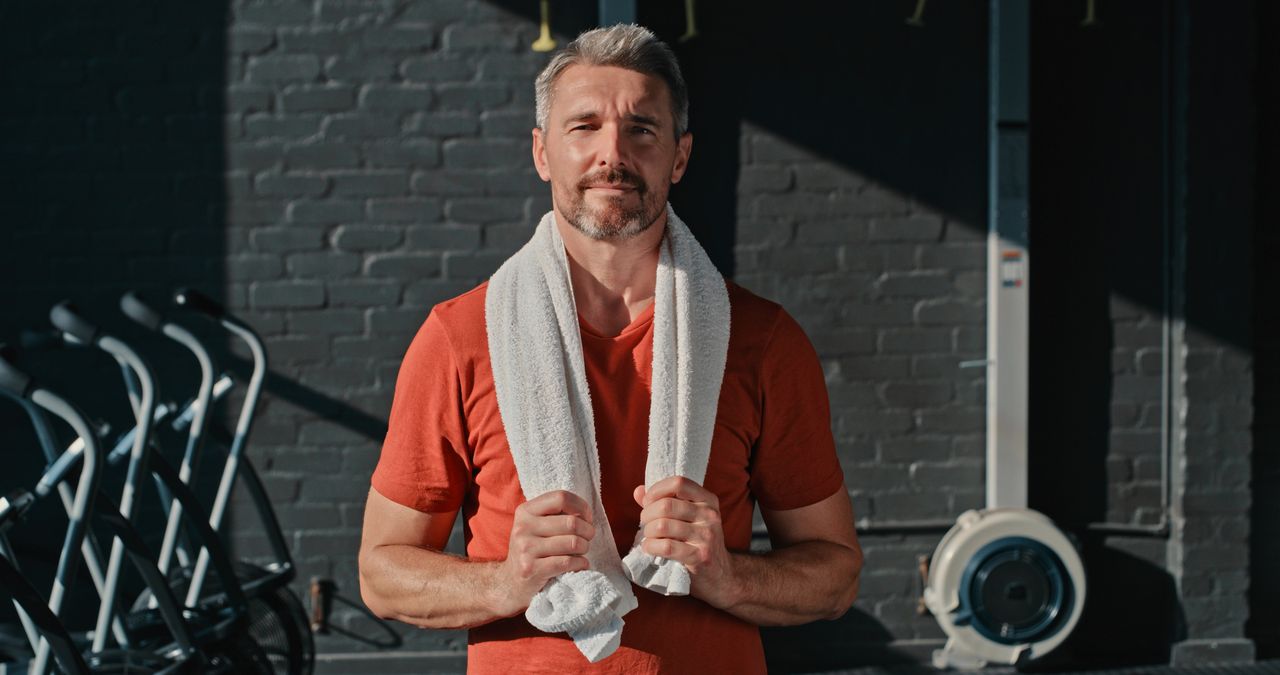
pixel 178 651
pixel 1005 584
pixel 278 621
pixel 228 617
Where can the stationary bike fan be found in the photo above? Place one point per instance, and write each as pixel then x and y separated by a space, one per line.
pixel 1006 586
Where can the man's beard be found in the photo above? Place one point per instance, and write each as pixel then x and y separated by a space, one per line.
pixel 614 221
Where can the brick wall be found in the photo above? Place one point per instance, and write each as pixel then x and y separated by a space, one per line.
pixel 892 295
pixel 377 163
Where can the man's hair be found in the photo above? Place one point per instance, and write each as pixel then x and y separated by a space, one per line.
pixel 624 46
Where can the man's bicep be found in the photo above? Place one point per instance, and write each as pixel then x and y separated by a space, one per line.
pixel 389 523
pixel 829 519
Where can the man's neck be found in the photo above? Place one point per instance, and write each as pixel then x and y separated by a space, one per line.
pixel 613 281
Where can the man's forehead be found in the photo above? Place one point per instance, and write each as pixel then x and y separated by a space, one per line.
pixel 582 86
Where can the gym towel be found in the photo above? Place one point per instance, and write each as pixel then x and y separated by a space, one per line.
pixel 540 381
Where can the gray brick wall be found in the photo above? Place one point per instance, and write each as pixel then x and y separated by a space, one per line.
pixel 892 294
pixel 377 160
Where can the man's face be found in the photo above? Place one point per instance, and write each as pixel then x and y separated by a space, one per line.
pixel 609 150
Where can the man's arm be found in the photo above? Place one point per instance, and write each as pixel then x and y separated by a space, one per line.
pixel 811 573
pixel 406 576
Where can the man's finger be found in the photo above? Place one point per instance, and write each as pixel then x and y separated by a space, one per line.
pixel 562 545
pixel 667 528
pixel 671 549
pixel 550 567
pixel 680 487
pixel 678 509
pixel 558 501
pixel 557 524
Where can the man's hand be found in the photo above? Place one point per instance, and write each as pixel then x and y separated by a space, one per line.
pixel 680 521
pixel 549 536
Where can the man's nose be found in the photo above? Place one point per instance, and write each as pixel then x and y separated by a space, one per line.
pixel 612 150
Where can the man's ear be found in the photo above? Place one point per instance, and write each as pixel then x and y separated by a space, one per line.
pixel 540 155
pixel 684 146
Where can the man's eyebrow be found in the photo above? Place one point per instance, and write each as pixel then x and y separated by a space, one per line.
pixel 588 115
pixel 644 119
pixel 582 116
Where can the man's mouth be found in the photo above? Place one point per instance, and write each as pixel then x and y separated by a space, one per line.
pixel 613 183
pixel 612 188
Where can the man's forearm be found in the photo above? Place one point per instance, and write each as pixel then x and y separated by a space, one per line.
pixel 803 582
pixel 428 588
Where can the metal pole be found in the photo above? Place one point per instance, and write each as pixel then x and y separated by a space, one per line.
pixel 1008 254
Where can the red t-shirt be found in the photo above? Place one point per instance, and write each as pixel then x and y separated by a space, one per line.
pixel 446 451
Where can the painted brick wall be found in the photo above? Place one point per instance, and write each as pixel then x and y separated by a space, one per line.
pixel 892 294
pixel 377 163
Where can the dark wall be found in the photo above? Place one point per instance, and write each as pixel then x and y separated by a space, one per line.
pixel 1264 538
pixel 112 177
pixel 1214 496
pixel 1100 237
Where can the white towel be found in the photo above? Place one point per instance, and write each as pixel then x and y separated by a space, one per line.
pixel 535 349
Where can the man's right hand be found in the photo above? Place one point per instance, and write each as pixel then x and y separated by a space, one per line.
pixel 549 536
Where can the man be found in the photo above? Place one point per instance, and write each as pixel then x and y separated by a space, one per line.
pixel 612 137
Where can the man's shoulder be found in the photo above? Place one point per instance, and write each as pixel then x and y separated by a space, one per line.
pixel 461 319
pixel 750 313
pixel 464 307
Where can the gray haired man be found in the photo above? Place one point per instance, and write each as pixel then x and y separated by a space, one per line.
pixel 612 137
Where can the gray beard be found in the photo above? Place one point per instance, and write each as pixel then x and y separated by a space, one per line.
pixel 615 224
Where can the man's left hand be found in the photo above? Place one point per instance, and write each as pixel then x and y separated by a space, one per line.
pixel 680 521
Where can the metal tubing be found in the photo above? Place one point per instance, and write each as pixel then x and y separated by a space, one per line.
pixel 195 434
pixel 243 425
pixel 137 465
pixel 89 550
pixel 86 490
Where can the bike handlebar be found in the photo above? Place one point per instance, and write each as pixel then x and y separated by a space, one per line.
pixel 193 299
pixel 67 319
pixel 140 311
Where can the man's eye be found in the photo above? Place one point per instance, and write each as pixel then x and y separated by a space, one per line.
pixel 581 127
pixel 642 130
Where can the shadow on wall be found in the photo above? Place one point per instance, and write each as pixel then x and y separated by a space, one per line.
pixel 1132 614
pixel 921 134
pixel 1264 537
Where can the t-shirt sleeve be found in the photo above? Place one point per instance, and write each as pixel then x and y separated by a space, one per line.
pixel 425 461
pixel 794 463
